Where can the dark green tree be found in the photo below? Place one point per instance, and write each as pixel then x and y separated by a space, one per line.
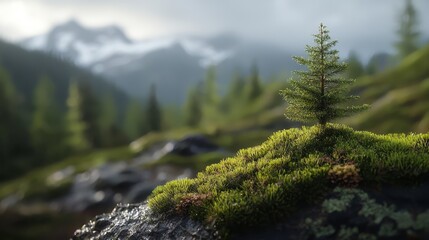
pixel 76 126
pixel 153 111
pixel 319 93
pixel 110 133
pixel 47 128
pixel 235 100
pixel 236 86
pixel 134 124
pixel 255 88
pixel 211 105
pixel 408 34
pixel 355 68
pixel 90 110
pixel 192 108
pixel 211 97
pixel 8 118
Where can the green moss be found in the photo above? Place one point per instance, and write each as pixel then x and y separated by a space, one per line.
pixel 270 181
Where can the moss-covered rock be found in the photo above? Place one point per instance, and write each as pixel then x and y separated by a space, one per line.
pixel 354 214
pixel 292 169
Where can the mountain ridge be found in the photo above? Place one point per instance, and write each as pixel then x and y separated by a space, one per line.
pixel 178 61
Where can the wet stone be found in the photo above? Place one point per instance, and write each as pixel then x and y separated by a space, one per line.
pixel 101 224
pixel 137 221
pixel 123 234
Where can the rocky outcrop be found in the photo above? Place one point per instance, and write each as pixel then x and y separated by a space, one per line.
pixel 137 221
pixel 392 212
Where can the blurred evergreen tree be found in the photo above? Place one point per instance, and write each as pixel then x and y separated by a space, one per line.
pixel 255 88
pixel 211 97
pixel 77 140
pixel 134 124
pixel 408 34
pixel 110 133
pixel 47 128
pixel 355 68
pixel 211 100
pixel 237 86
pixel 153 112
pixel 90 110
pixel 319 93
pixel 192 108
pixel 9 117
pixel 234 100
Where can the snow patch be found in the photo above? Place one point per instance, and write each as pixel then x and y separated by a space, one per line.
pixel 64 40
pixel 37 43
pixel 91 53
pixel 208 54
pixel 100 53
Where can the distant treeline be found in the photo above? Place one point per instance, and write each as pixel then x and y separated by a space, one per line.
pixel 50 108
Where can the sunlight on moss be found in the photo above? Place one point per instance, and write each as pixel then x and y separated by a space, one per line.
pixel 289 170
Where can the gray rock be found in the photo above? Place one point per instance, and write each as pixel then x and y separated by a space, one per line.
pixel 140 192
pixel 137 221
pixel 193 145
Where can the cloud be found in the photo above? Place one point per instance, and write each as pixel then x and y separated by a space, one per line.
pixel 365 25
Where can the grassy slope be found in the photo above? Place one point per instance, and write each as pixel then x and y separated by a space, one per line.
pixel 292 168
pixel 399 97
pixel 34 184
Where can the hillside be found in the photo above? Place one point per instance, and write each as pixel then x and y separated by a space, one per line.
pixel 268 184
pixel 399 97
pixel 26 67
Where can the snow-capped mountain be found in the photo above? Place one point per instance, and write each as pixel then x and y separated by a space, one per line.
pixel 90 47
pixel 172 63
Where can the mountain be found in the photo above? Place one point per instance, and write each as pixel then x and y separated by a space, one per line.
pixel 173 63
pixel 26 67
pixel 380 62
pixel 399 97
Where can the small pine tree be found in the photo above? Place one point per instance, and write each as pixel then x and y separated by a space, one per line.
pixel 318 94
pixel 407 32
pixel 153 112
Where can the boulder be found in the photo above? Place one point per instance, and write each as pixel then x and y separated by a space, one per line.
pixel 193 145
pixel 137 221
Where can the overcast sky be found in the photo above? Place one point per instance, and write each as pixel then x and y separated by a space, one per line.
pixel 367 26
